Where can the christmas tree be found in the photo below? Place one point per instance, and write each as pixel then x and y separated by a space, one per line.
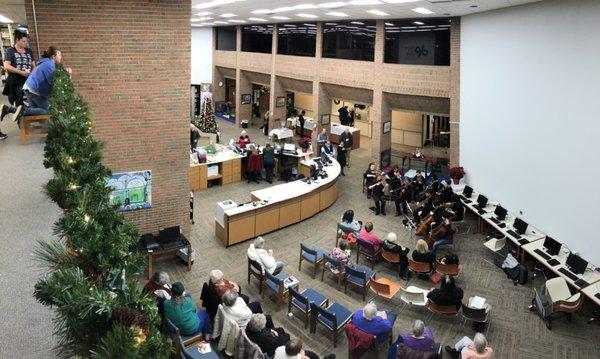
pixel 207 121
pixel 92 270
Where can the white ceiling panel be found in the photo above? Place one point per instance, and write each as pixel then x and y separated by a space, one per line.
pixel 14 10
pixel 205 12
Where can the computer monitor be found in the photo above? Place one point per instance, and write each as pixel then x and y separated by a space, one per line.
pixel 576 264
pixel 500 212
pixel 552 246
pixel 467 192
pixel 169 234
pixel 251 147
pixel 520 226
pixel 482 201
pixel 289 147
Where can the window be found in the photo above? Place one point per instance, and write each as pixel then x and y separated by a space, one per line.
pixel 352 40
pixel 257 38
pixel 418 42
pixel 226 38
pixel 297 39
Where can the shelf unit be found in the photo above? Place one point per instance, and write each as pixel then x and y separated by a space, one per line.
pixel 230 171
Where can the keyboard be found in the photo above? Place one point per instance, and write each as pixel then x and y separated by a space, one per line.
pixel 566 272
pixel 523 241
pixel 467 201
pixel 513 234
pixel 597 295
pixel 495 220
pixel 464 198
pixel 501 225
pixel 541 253
pixel 553 262
pixel 581 283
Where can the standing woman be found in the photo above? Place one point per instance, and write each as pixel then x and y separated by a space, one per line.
pixel 377 192
pixel 341 156
pixel 18 62
pixel 269 162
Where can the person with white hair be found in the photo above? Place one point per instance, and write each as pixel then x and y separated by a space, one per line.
pixel 268 339
pixel 420 338
pixel 466 348
pixel 244 139
pixel 236 309
pixel 372 321
pixel 159 285
pixel 220 284
pixel 392 245
pixel 265 258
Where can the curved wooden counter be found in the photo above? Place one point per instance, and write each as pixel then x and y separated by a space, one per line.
pixel 278 206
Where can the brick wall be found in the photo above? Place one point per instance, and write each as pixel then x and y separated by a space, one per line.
pixel 132 64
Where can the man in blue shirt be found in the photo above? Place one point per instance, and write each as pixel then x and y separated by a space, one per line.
pixel 379 324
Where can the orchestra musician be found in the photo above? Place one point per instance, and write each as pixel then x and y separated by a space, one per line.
pixel 370 177
pixel 442 234
pixel 377 191
pixel 446 193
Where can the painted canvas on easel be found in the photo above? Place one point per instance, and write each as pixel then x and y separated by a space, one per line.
pixel 131 190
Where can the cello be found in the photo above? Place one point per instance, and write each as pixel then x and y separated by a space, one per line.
pixel 437 233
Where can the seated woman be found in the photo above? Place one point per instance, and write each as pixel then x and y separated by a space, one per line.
pixel 447 294
pixel 422 253
pixel 257 253
pixel 342 254
pixel 159 286
pixel 267 339
pixel 448 238
pixel 450 259
pixel 367 235
pixel 181 311
pixel 421 337
pixel 390 244
pixel 374 322
pixel 294 349
pixel 466 348
pixel 244 139
pixel 349 225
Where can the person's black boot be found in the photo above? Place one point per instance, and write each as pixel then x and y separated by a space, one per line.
pixel 453 352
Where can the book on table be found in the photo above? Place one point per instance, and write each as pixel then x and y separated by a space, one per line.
pixel 290 281
pixel 477 302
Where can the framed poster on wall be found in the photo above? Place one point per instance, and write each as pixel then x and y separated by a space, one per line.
pixel 387 127
pixel 280 102
pixel 246 99
pixel 131 190
pixel 325 119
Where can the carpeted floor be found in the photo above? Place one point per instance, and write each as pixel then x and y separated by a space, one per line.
pixel 28 216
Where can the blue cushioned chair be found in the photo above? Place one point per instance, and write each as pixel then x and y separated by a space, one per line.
pixel 302 302
pixel 275 284
pixel 311 255
pixel 334 318
pixel 176 336
pixel 367 249
pixel 193 352
pixel 334 263
pixel 359 277
pixel 255 269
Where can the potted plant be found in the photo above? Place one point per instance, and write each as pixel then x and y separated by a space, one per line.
pixel 304 143
pixel 456 173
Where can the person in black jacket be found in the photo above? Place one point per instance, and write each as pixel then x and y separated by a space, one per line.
pixel 343 114
pixel 391 244
pixel 422 253
pixel 377 190
pixel 341 156
pixel 301 120
pixel 267 339
pixel 369 177
pixel 447 294
pixel 348 141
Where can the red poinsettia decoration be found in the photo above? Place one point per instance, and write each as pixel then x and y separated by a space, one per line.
pixel 304 142
pixel 457 173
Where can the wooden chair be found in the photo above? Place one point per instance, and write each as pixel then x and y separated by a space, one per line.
pixel 359 277
pixel 302 301
pixel 367 249
pixel 255 270
pixel 26 130
pixel 276 286
pixel 313 256
pixel 384 287
pixel 333 318
pixel 449 310
pixel 452 270
pixel 419 267
pixel 393 258
pixel 334 263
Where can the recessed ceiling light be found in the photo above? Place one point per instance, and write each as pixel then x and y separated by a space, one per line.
pixel 228 15
pixel 364 2
pixel 399 1
pixel 215 3
pixel 195 20
pixel 238 21
pixel 310 25
pixel 357 23
pixel 262 11
pixel 280 17
pixel 256 19
pixel 304 6
pixel 418 23
pixel 220 22
pixel 5 20
pixel 282 9
pixel 206 24
pixel 389 24
pixel 332 5
pixel 204 13
pixel 308 16
pixel 377 12
pixel 422 10
pixel 337 13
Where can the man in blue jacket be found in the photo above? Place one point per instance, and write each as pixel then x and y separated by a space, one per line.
pixel 38 87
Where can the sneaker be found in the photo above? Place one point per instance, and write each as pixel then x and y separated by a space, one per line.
pixel 16 114
pixel 3 136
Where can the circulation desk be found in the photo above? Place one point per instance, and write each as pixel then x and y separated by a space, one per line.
pixel 227 168
pixel 337 130
pixel 276 207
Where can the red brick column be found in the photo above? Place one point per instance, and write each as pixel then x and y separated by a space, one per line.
pixel 455 92
pixel 131 60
